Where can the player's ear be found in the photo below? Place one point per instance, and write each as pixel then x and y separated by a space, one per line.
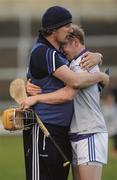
pixel 76 40
pixel 54 31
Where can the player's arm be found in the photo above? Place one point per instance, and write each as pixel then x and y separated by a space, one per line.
pixel 57 97
pixel 80 80
pixel 72 79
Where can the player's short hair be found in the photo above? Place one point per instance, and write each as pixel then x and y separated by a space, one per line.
pixel 78 32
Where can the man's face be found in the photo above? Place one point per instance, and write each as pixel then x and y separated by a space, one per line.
pixel 69 49
pixel 62 33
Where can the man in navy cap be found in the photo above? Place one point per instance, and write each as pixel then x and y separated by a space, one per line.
pixel 48 69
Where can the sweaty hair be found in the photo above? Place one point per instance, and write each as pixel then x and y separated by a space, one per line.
pixel 78 32
pixel 46 32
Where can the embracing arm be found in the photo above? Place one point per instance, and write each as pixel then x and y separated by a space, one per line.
pixel 57 97
pixel 67 93
pixel 80 80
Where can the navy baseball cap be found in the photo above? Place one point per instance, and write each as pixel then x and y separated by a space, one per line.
pixel 56 17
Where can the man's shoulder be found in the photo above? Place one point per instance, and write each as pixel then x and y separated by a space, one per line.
pixel 42 50
pixel 39 46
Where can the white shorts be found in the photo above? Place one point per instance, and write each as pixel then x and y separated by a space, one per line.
pixel 93 148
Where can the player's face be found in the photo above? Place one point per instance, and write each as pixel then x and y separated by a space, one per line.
pixel 69 50
pixel 63 32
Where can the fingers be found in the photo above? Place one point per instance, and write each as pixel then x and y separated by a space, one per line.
pixel 88 61
pixel 33 92
pixel 32 89
pixel 24 105
pixel 29 101
pixel 86 64
pixel 31 85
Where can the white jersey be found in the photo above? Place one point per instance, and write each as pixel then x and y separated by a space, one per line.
pixel 87 117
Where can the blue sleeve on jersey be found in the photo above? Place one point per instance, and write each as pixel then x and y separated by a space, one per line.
pixel 54 60
pixel 44 61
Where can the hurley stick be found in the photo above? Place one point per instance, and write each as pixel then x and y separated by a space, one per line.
pixel 17 90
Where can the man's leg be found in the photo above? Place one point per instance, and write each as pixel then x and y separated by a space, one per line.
pixel 42 160
pixel 27 141
pixel 51 162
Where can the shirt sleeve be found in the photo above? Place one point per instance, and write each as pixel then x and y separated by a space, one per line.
pixel 76 67
pixel 54 60
pixel 44 61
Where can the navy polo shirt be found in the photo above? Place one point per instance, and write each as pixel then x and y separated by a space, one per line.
pixel 44 60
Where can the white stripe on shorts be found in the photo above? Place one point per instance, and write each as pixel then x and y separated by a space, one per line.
pixel 35 155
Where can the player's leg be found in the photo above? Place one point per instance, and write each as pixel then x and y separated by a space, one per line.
pixel 75 172
pixel 27 141
pixel 51 162
pixel 87 172
pixel 66 147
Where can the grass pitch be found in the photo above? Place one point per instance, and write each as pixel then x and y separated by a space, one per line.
pixel 12 160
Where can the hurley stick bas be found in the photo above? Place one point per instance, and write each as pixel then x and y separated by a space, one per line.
pixel 18 93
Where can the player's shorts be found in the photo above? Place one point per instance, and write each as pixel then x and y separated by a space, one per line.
pixel 91 149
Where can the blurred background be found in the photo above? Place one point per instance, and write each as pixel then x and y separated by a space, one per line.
pixel 19 25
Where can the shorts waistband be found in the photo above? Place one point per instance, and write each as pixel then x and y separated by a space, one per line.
pixel 77 137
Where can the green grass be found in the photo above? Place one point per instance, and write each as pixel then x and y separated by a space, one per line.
pixel 12 160
pixel 110 170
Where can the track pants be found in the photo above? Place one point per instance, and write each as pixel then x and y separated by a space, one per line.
pixel 42 160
